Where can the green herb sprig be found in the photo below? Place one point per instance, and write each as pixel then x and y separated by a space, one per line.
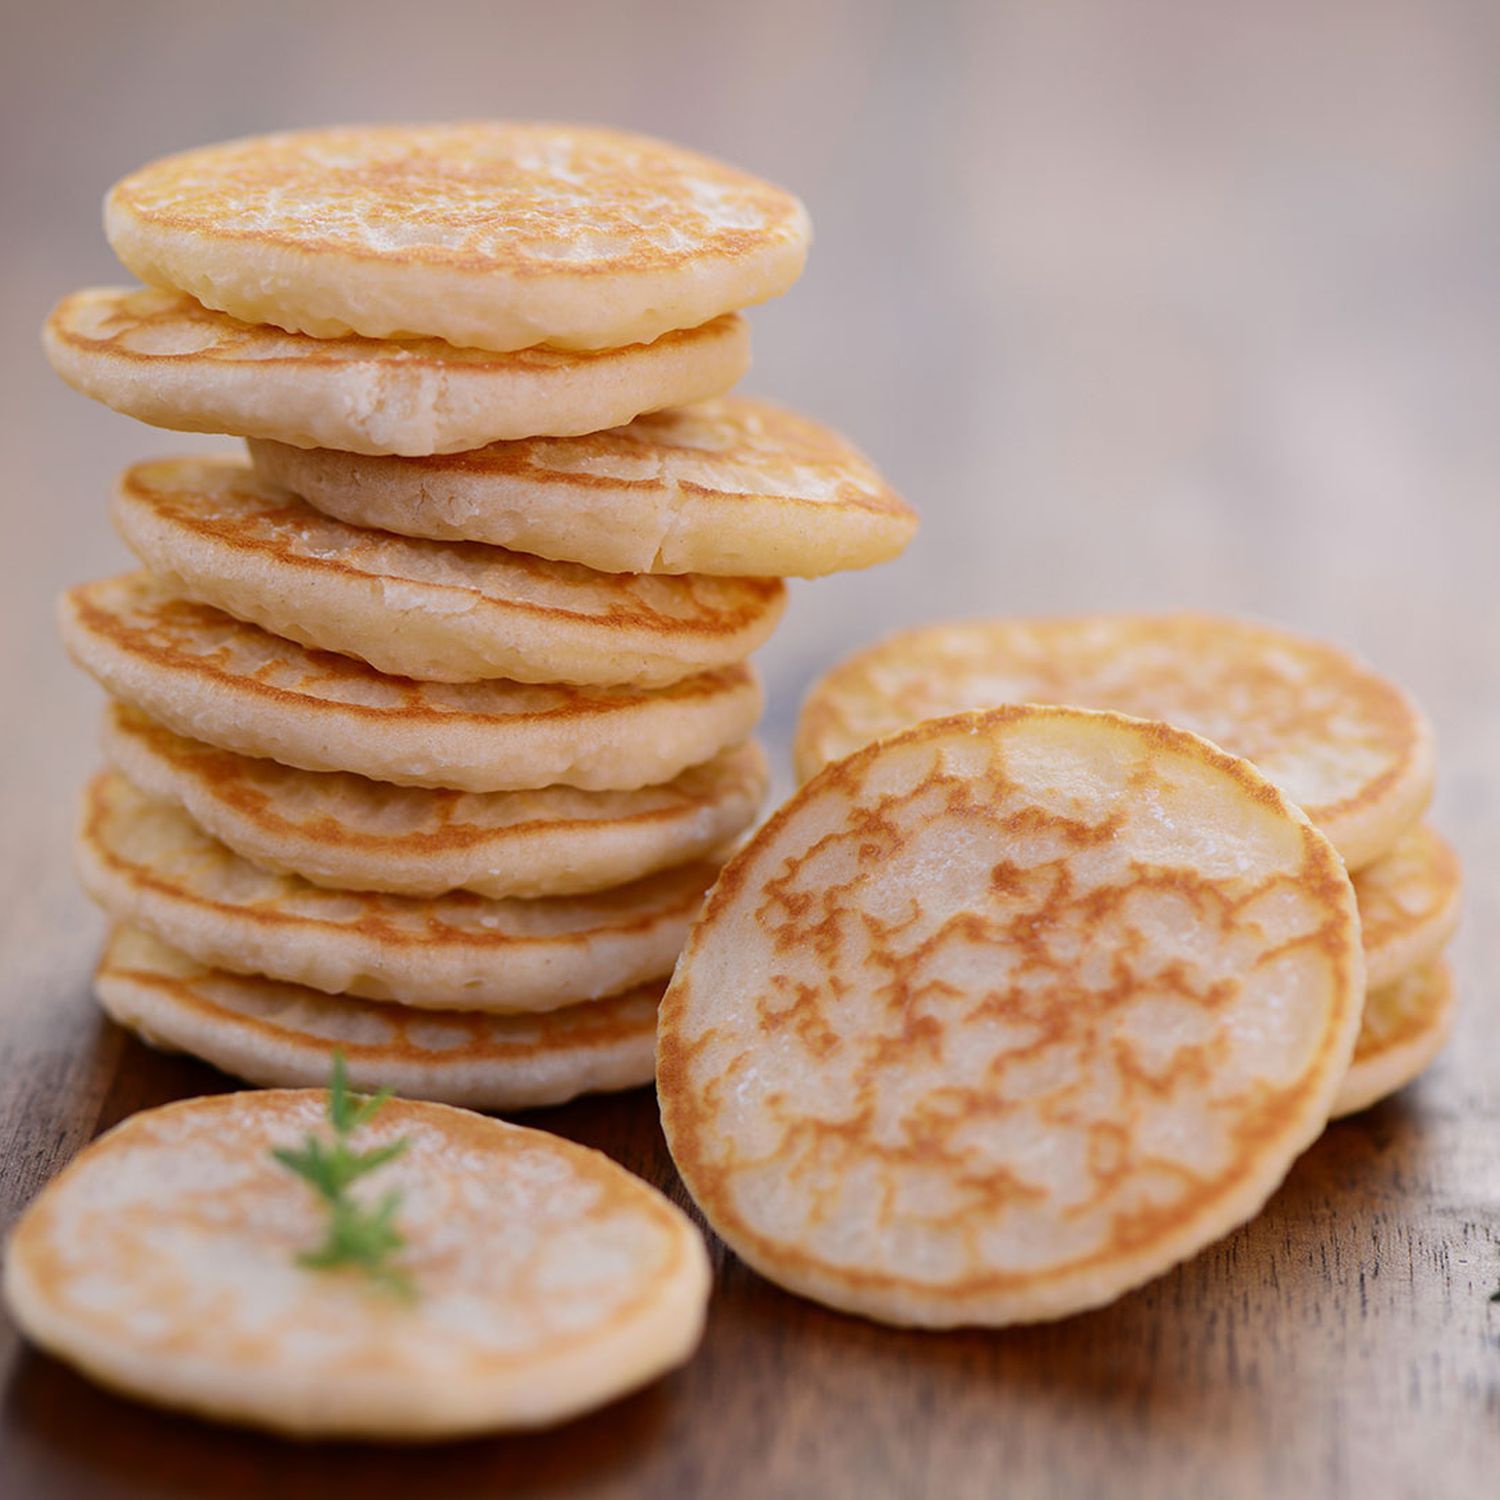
pixel 361 1236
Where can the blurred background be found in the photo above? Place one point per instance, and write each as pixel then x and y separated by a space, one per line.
pixel 1141 305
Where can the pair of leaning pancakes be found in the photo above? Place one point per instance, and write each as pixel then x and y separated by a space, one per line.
pixel 431 721
pixel 1007 1012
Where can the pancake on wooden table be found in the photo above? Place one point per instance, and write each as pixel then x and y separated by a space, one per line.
pixel 733 486
pixel 285 1035
pixel 439 611
pixel 148 864
pixel 1409 902
pixel 347 831
pixel 163 358
pixel 491 234
pixel 213 678
pixel 1350 747
pixel 1007 1014
pixel 1405 1025
pixel 546 1280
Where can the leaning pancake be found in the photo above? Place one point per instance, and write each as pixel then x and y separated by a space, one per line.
pixel 732 486
pixel 165 359
pixel 340 830
pixel 213 678
pixel 285 1035
pixel 148 864
pixel 491 234
pixel 438 611
pixel 1005 1015
pixel 1405 1026
pixel 1409 902
pixel 1346 744
pixel 162 1262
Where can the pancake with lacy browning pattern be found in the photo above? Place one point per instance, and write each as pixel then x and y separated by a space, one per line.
pixel 733 486
pixel 1004 1016
pixel 213 678
pixel 1405 1026
pixel 489 234
pixel 165 359
pixel 1347 745
pixel 148 864
pixel 438 611
pixel 163 1263
pixel 1409 903
pixel 345 831
pixel 285 1035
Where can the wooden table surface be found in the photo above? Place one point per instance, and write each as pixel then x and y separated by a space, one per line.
pixel 1142 305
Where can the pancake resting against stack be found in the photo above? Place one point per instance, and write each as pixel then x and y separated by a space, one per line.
pixel 431 713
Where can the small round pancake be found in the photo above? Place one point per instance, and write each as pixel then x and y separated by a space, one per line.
pixel 148 864
pixel 1345 744
pixel 162 1262
pixel 1409 902
pixel 285 1035
pixel 165 359
pixel 491 234
pixel 437 611
pixel 1007 1014
pixel 1405 1026
pixel 734 486
pixel 213 678
pixel 346 831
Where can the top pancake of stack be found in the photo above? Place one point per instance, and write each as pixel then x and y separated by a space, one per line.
pixel 489 235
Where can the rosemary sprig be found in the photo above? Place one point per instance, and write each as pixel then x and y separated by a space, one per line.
pixel 359 1236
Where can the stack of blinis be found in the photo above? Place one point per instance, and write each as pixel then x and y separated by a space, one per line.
pixel 431 715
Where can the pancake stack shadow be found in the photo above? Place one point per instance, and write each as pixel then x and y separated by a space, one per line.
pixel 431 720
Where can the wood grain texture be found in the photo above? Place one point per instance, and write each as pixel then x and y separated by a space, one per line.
pixel 1145 305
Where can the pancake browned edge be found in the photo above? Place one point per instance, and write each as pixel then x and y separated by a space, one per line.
pixel 729 487
pixel 434 611
pixel 210 677
pixel 347 832
pixel 286 1035
pixel 162 358
pixel 148 864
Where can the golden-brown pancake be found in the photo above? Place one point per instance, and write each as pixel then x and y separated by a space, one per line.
pixel 492 234
pixel 437 611
pixel 1409 903
pixel 1007 1014
pixel 1404 1028
pixel 148 864
pixel 1346 744
pixel 213 678
pixel 163 1263
pixel 286 1035
pixel 345 831
pixel 163 358
pixel 733 486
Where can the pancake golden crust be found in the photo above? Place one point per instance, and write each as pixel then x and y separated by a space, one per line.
pixel 285 1035
pixel 210 677
pixel 165 359
pixel 162 1262
pixel 148 864
pixel 1409 903
pixel 1344 743
pixel 1405 1026
pixel 437 611
pixel 348 832
pixel 489 234
pixel 1003 1016
pixel 732 486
